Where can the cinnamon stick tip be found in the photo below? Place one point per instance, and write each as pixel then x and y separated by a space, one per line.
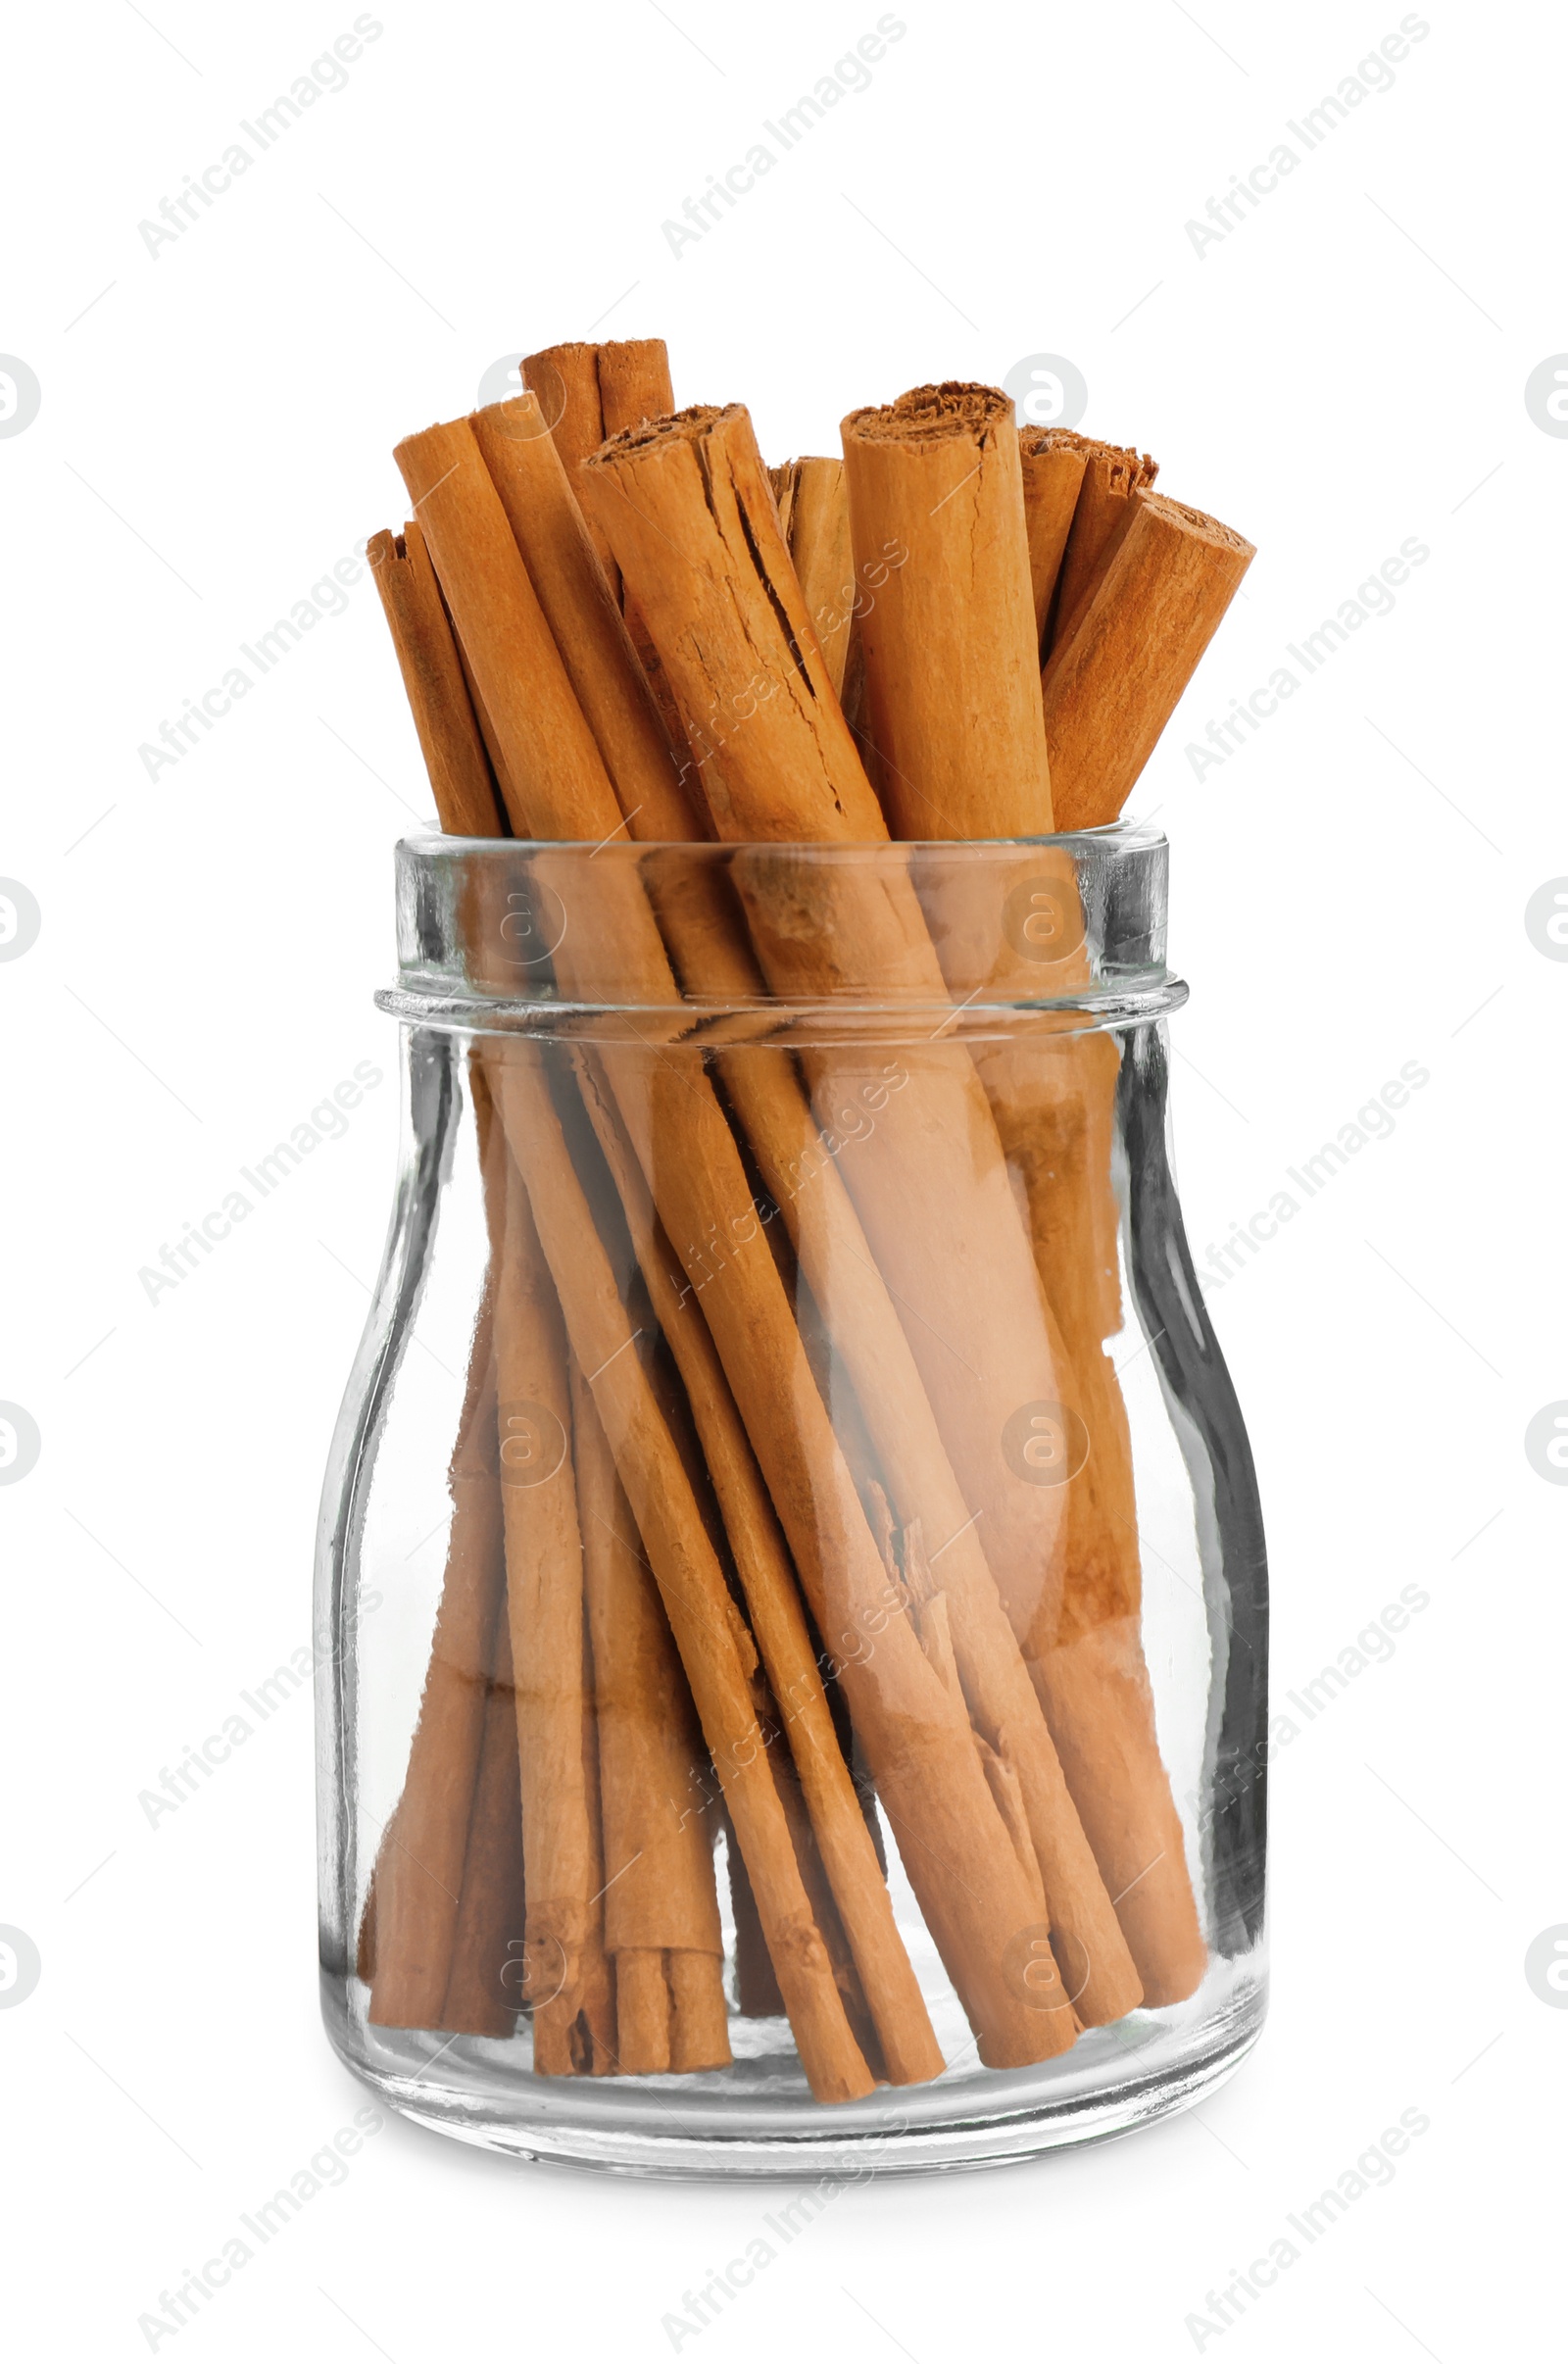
pixel 690 425
pixel 1206 528
pixel 580 347
pixel 932 414
pixel 1128 467
pixel 520 415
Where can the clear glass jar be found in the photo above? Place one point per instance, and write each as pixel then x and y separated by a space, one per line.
pixel 798 1697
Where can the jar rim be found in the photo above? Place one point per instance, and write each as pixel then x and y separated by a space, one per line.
pixel 732 938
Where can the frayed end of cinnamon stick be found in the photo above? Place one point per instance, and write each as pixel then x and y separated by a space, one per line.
pixel 1123 466
pixel 679 427
pixel 935 414
pixel 1131 470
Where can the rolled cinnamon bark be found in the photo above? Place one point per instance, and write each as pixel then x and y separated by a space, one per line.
pixel 582 389
pixel 698 2015
pixel 760 712
pixel 1052 462
pixel 940 467
pixel 555 767
pixel 1114 680
pixel 365 1943
pixel 477 1889
pixel 490 1942
pixel 814 516
pixel 580 608
pixel 757 1990
pixel 432 674
pixel 660 1898
pixel 419 1872
pixel 585 393
pixel 964 591
pixel 1113 477
pixel 567 1980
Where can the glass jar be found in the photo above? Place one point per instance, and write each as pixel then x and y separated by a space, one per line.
pixel 798 1701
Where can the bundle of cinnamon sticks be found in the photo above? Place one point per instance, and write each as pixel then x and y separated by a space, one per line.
pixel 767 1563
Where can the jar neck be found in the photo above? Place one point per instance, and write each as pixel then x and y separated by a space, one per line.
pixel 1064 934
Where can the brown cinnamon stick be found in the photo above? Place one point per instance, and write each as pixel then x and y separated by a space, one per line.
pixel 965 591
pixel 432 675
pixel 567 1980
pixel 455 1885
pixel 660 1898
pixel 578 605
pixel 1114 479
pixel 760 715
pixel 556 769
pixel 419 1872
pixel 1114 680
pixel 489 1944
pixel 1052 462
pixel 570 382
pixel 585 393
pixel 814 516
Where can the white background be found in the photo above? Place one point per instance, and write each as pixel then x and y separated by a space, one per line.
pixel 1344 370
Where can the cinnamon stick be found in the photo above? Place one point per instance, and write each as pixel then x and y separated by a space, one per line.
pixel 762 717
pixel 489 1944
pixel 1114 680
pixel 1052 462
pixel 757 1988
pixel 432 675
pixel 1114 479
pixel 556 771
pixel 567 1980
pixel 585 393
pixel 965 590
pixel 419 1872
pixel 660 1898
pixel 455 1885
pixel 814 516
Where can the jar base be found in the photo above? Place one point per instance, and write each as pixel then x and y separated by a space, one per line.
pixel 758 2120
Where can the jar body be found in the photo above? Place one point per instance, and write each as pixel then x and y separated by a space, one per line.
pixel 798 1697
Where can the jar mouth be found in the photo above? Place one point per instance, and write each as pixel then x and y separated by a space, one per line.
pixel 734 942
